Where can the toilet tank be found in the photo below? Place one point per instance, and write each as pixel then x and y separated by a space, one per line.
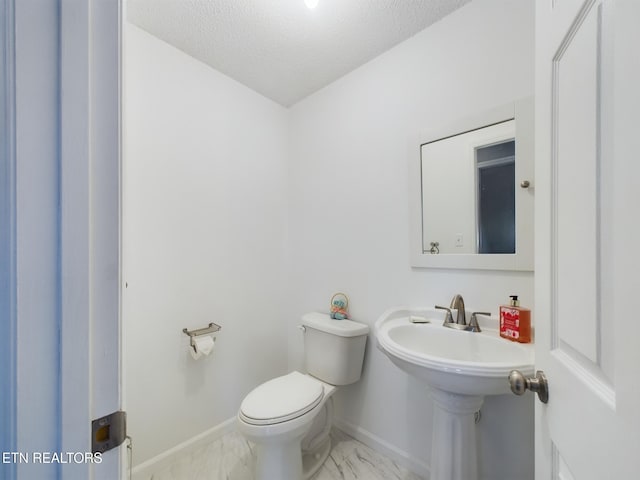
pixel 334 349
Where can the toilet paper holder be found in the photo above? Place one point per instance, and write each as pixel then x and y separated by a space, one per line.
pixel 212 328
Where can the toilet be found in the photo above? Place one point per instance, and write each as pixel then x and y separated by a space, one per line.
pixel 289 417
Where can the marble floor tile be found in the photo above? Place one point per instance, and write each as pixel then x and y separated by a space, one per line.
pixel 350 460
pixel 232 458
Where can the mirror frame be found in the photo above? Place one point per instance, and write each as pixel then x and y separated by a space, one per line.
pixel 522 112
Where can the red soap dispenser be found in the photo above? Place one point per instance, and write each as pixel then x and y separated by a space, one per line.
pixel 515 321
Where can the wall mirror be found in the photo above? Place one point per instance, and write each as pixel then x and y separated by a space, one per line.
pixel 471 192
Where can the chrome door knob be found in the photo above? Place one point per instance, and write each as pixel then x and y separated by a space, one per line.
pixel 538 384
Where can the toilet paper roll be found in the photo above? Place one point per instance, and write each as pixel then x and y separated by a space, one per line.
pixel 202 345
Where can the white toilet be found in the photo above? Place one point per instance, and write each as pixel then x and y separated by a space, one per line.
pixel 289 417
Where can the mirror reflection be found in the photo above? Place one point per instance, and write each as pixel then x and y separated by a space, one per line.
pixel 468 192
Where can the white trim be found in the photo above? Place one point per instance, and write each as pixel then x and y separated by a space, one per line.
pixel 147 469
pixel 89 226
pixel 65 128
pixel 381 446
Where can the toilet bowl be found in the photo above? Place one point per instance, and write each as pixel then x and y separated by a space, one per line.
pixel 289 417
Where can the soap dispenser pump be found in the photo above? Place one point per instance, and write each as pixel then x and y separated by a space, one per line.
pixel 515 321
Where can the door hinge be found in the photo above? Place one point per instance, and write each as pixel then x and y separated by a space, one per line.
pixel 108 432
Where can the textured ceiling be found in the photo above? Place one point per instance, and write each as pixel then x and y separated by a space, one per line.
pixel 280 48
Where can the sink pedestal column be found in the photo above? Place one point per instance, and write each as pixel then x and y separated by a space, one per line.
pixel 453 451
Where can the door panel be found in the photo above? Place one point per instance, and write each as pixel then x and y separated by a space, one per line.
pixel 575 164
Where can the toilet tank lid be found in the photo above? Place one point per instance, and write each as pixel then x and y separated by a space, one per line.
pixel 342 328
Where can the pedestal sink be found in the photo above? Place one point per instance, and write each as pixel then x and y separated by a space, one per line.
pixel 461 368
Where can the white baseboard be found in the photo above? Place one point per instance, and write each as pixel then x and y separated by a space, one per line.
pixel 394 453
pixel 145 470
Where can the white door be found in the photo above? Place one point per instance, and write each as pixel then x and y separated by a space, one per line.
pixel 587 238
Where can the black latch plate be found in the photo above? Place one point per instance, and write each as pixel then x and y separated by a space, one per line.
pixel 108 432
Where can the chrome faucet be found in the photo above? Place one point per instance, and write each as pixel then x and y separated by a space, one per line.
pixel 457 303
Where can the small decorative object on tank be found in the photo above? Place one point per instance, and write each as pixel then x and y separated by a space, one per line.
pixel 339 306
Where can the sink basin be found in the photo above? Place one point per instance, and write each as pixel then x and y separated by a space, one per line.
pixel 457 361
pixel 461 368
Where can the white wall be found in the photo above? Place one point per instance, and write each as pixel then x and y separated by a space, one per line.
pixel 204 239
pixel 349 215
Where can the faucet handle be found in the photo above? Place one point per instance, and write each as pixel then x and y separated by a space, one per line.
pixel 449 316
pixel 473 324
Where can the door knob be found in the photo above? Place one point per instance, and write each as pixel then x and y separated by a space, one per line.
pixel 538 384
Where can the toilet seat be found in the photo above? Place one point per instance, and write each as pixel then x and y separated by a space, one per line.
pixel 281 399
